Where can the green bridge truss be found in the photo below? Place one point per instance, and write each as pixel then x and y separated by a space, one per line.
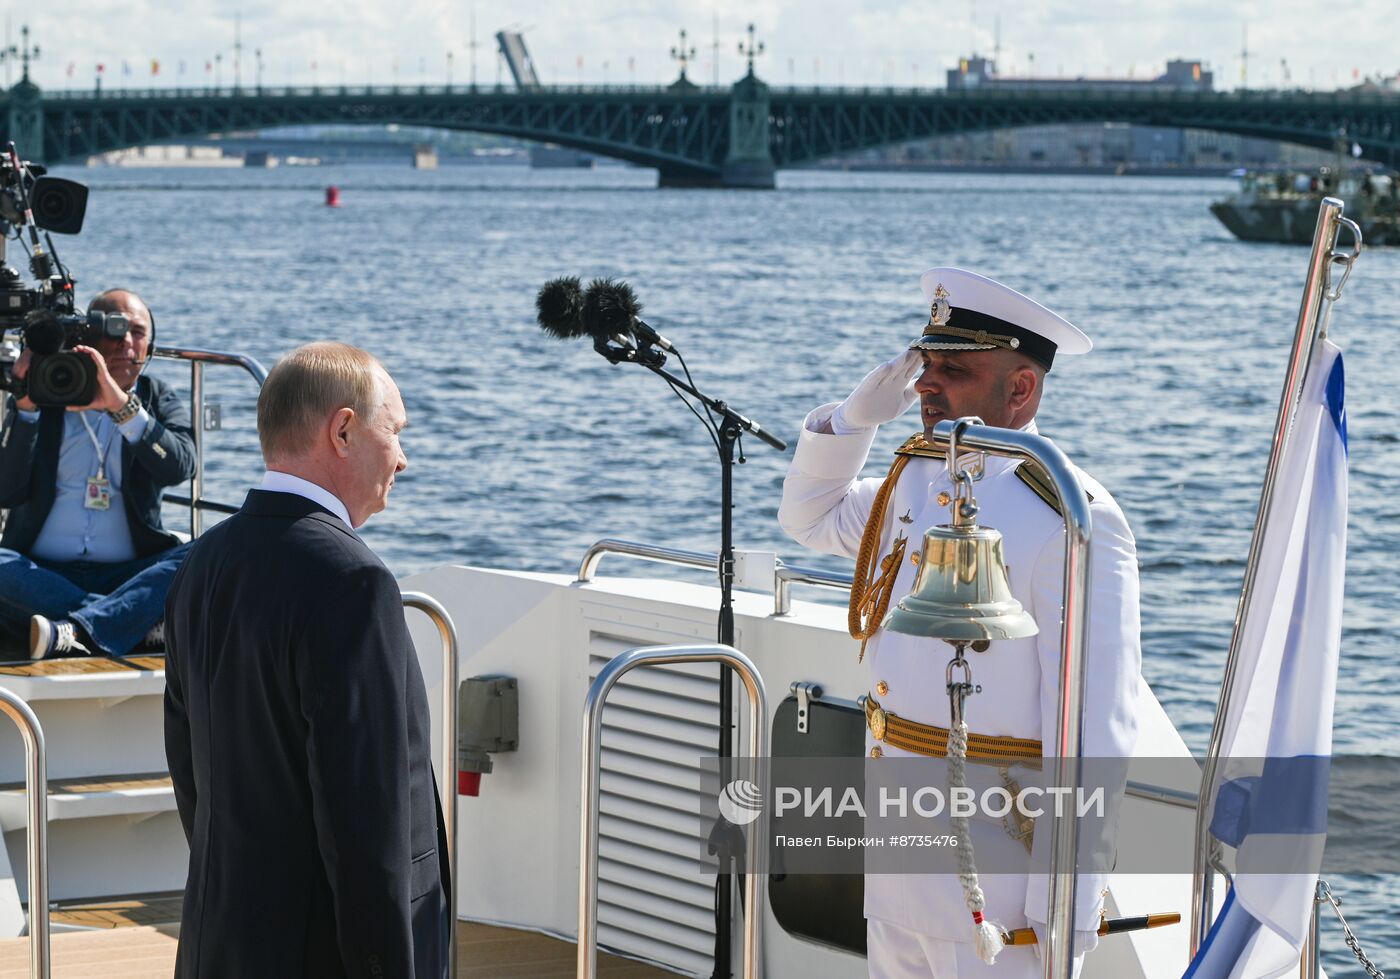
pixel 735 136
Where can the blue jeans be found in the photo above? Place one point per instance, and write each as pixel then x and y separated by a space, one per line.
pixel 116 604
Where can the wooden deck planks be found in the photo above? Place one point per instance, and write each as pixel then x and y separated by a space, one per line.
pixel 79 665
pixel 99 783
pixel 148 952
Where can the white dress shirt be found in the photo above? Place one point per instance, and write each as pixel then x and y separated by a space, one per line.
pixel 280 482
pixel 72 532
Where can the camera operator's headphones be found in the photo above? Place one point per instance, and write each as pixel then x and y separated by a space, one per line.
pixel 151 339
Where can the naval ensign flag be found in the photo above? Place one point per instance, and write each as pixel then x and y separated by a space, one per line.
pixel 1271 803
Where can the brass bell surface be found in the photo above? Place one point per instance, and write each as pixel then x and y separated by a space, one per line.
pixel 961 592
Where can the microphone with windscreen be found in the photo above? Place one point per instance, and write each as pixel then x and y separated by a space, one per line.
pixel 559 308
pixel 563 310
pixel 615 307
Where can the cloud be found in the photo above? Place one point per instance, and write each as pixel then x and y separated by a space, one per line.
pixel 871 42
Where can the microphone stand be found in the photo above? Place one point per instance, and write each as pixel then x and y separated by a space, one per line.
pixel 732 427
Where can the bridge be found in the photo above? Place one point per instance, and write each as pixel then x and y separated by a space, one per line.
pixel 735 136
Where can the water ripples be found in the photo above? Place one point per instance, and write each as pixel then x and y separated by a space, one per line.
pixel 524 451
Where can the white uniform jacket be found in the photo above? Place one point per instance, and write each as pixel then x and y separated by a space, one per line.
pixel 825 506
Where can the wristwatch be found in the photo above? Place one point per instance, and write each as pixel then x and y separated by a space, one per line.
pixel 127 411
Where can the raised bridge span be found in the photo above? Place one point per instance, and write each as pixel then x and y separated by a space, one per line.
pixel 700 136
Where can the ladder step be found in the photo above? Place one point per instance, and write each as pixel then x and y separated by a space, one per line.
pixel 119 911
pixel 95 795
pixel 84 665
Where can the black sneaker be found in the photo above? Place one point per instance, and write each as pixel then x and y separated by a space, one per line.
pixel 50 640
pixel 155 639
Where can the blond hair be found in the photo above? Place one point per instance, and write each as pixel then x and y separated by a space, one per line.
pixel 307 386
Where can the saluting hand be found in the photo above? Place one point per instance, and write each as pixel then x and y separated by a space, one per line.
pixel 886 393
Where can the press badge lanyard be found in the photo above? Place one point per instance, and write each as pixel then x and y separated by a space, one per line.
pixel 99 489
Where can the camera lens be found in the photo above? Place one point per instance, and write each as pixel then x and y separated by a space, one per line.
pixel 58 205
pixel 62 379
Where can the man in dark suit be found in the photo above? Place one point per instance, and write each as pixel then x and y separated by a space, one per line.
pixel 296 720
pixel 84 560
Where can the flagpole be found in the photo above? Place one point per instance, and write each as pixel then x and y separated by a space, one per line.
pixel 1312 323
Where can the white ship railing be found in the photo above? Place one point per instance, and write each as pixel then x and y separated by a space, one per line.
pixel 36 788
pixel 785 576
pixel 593 705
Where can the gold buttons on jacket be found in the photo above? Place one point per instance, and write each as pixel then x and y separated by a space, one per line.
pixel 882 688
pixel 877 752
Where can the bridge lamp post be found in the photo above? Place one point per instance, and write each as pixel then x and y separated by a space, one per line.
pixel 751 50
pixel 449 71
pixel 682 54
pixel 218 72
pixel 257 55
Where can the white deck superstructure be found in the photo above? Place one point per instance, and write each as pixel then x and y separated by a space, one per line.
pixel 114 830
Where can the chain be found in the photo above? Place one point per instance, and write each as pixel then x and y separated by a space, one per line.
pixel 1325 892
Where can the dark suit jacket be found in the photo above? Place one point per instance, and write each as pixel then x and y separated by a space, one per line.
pixel 162 457
pixel 297 731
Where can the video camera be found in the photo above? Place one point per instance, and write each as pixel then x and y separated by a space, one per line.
pixel 44 315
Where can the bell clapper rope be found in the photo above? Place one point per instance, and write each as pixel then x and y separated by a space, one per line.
pixel 988 937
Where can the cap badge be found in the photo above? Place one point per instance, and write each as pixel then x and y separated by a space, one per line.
pixel 940 311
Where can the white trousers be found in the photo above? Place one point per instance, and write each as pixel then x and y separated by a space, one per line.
pixel 895 953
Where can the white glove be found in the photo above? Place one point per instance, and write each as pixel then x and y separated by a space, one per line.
pixel 882 396
pixel 1084 941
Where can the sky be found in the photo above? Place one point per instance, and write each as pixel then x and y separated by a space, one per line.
pixel 853 42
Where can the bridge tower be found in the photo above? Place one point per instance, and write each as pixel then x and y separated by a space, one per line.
pixel 25 115
pixel 749 162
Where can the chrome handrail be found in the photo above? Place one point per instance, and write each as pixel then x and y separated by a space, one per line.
pixel 197 359
pixel 447 630
pixel 607 677
pixel 1312 323
pixel 647 552
pixel 1180 798
pixel 789 575
pixel 786 576
pixel 36 788
pixel 1058 954
pixel 1311 959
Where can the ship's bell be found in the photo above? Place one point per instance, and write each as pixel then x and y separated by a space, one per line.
pixel 961 593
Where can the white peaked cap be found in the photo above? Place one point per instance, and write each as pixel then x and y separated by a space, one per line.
pixel 972 312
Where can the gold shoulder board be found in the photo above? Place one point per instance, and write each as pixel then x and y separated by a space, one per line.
pixel 1038 480
pixel 917 445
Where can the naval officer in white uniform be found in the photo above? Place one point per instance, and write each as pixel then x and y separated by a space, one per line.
pixel 986 352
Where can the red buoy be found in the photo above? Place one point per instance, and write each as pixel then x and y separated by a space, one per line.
pixel 332 196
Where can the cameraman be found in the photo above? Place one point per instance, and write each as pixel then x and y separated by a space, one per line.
pixel 84 560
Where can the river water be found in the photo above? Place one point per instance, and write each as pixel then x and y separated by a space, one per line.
pixel 523 451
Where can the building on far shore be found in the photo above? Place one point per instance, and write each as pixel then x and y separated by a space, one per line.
pixel 1106 144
